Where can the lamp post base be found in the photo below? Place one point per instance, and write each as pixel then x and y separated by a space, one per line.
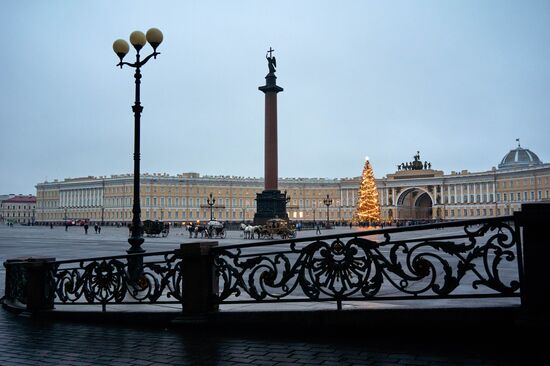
pixel 135 263
pixel 135 245
pixel 136 239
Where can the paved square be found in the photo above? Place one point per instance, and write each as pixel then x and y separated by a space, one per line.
pixel 24 341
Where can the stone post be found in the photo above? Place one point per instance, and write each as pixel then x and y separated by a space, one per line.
pixel 30 283
pixel 199 281
pixel 535 286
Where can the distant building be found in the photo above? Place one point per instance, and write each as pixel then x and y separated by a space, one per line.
pixel 18 209
pixel 412 194
pixel 184 198
pixel 415 191
pixel 4 197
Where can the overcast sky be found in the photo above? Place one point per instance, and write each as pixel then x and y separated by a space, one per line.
pixel 457 80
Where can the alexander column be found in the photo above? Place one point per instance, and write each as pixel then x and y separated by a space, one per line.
pixel 271 203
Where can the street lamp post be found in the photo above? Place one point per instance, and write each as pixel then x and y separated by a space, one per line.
pixel 328 201
pixel 121 48
pixel 210 201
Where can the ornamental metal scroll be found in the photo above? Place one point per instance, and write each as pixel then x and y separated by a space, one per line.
pixel 328 270
pixel 16 283
pixel 108 281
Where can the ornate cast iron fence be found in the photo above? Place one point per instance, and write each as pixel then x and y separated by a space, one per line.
pixel 467 260
pixel 109 280
pixel 100 281
pixel 374 265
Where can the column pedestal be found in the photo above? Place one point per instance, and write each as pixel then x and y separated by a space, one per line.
pixel 270 205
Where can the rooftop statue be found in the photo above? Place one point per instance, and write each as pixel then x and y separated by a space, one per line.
pixel 416 164
pixel 271 61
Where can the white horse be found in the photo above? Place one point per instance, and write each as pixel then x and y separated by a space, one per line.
pixel 250 230
pixel 243 228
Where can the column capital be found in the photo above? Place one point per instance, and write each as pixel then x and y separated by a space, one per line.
pixel 270 84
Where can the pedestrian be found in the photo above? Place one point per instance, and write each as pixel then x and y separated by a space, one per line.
pixel 66 226
pixel 191 229
pixel 350 225
pixel 95 228
pixel 86 229
pixel 317 229
pixel 98 229
pixel 51 225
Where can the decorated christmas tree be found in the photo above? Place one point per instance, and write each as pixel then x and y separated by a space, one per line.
pixel 368 208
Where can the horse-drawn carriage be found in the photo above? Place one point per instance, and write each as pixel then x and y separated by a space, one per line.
pixel 279 227
pixel 156 228
pixel 212 229
pixel 215 229
pixel 272 228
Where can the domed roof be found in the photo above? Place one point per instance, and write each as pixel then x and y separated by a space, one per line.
pixel 519 157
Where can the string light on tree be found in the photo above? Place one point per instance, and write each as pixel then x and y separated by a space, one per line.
pixel 368 207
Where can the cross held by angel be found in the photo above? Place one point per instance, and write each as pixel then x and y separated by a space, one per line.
pixel 271 61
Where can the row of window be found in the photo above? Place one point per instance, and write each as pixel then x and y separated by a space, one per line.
pixel 478 198
pixel 339 215
pixel 526 181
pixel 18 207
pixel 48 204
pixel 197 202
pixel 126 214
pixel 484 198
pixel 477 212
pixel 183 203
pixel 18 214
pixel 527 196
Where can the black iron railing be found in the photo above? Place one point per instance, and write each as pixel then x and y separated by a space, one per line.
pixel 467 259
pixel 373 265
pixel 108 280
pixel 100 280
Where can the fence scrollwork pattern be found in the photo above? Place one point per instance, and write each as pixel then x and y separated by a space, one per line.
pixel 366 269
pixel 108 281
pixel 471 259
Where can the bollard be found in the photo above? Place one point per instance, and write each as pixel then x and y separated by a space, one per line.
pixel 30 283
pixel 535 285
pixel 199 281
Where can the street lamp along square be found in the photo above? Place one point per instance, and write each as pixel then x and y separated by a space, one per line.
pixel 154 37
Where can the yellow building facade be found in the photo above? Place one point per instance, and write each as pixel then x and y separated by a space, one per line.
pixel 423 194
pixel 427 194
pixel 183 198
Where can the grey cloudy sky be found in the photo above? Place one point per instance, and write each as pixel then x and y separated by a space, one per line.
pixel 457 80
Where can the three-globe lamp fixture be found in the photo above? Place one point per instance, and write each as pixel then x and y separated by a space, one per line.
pixel 120 46
pixel 138 40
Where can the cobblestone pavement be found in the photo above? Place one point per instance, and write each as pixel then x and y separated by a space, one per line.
pixel 24 341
